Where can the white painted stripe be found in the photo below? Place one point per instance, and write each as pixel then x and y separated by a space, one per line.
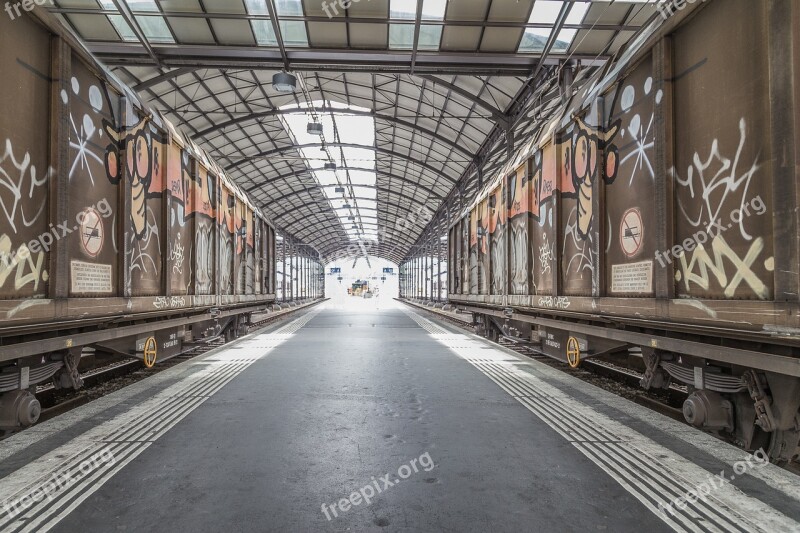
pixel 132 432
pixel 777 478
pixel 669 470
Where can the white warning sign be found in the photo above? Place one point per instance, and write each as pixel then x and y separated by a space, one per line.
pixel 92 232
pixel 90 278
pixel 631 232
pixel 632 278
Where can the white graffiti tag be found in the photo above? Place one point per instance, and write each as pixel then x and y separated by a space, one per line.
pixel 18 179
pixel 715 180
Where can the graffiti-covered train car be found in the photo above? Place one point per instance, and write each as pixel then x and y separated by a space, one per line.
pixel 117 232
pixel 655 214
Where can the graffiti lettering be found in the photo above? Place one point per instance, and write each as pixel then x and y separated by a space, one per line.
pixel 558 302
pixel 18 177
pixel 163 302
pixel 704 264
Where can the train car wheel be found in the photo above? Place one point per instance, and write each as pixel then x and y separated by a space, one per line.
pixel 573 352
pixel 150 352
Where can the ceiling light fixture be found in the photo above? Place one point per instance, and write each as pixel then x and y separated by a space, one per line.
pixel 314 128
pixel 283 82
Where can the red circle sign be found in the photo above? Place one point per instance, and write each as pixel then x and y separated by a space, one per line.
pixel 631 232
pixel 92 233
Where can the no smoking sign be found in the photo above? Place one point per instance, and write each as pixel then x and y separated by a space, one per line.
pixel 631 234
pixel 92 232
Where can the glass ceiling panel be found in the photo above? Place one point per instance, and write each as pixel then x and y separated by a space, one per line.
pixel 293 32
pixel 401 36
pixel 122 28
pixel 534 40
pixel 265 35
pixel 142 5
pixel 155 29
pixel 289 8
pixel 403 9
pixel 564 40
pixel 339 127
pixel 256 7
pixel 118 21
pixel 434 9
pixel 545 12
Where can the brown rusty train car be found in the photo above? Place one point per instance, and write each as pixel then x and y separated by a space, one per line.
pixel 116 230
pixel 656 213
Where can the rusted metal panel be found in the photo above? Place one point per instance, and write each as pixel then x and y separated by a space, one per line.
pixel 497 240
pixel 578 170
pixel 484 257
pixel 473 251
pixel 143 170
pixel 519 216
pixel 723 168
pixel 628 172
pixel 182 189
pixel 24 159
pixel 663 74
pixel 258 253
pixel 94 175
pixel 225 227
pixel 465 255
pixel 250 252
pixel 542 230
pixel 240 245
pixel 784 45
pixel 273 263
pixel 204 252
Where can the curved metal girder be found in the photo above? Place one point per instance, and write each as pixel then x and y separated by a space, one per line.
pixel 346 169
pixel 497 114
pixel 331 243
pixel 387 215
pixel 339 145
pixel 378 116
pixel 296 193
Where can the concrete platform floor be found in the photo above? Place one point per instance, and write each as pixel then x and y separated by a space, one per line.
pixel 376 418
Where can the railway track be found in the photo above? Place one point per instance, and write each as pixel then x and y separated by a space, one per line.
pixel 113 376
pixel 606 375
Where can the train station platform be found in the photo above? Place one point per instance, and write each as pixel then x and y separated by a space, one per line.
pixel 378 419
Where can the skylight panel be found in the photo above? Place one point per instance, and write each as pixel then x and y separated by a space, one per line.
pixel 401 36
pixel 265 34
pixel 155 29
pixel 256 7
pixel 142 5
pixel 357 196
pixel 430 36
pixel 564 40
pixel 125 31
pixel 577 13
pixel 118 21
pixel 434 9
pixel 363 155
pixel 403 9
pixel 294 33
pixel 359 177
pixel 545 12
pixel 289 8
pixel 534 40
